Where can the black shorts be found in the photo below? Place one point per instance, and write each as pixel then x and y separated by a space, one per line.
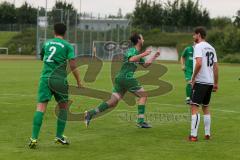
pixel 201 94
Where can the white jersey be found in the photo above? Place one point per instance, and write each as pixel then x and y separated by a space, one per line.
pixel 209 57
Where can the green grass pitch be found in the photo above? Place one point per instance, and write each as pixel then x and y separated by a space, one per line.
pixel 112 137
pixel 5 37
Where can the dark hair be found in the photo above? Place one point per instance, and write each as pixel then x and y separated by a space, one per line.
pixel 201 30
pixel 134 38
pixel 60 29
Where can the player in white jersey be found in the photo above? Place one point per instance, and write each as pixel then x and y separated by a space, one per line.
pixel 204 81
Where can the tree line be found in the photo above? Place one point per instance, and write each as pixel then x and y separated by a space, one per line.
pixel 27 14
pixel 176 13
pixel 147 13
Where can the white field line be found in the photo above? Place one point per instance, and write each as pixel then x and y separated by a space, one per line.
pixel 158 104
pixel 183 106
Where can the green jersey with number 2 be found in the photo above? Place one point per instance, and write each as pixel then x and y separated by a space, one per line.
pixel 55 54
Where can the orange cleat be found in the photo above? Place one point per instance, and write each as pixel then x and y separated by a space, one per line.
pixel 192 139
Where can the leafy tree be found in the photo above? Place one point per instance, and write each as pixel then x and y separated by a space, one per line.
pixel 221 22
pixel 128 16
pixel 26 14
pixel 236 21
pixel 63 11
pixel 7 13
pixel 176 14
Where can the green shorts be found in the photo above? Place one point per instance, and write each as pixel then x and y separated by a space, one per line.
pixel 122 85
pixel 56 87
pixel 188 75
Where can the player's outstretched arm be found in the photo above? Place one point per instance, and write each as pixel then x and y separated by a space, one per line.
pixel 73 67
pixel 149 61
pixel 137 57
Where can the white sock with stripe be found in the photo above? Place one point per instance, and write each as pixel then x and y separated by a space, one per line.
pixel 207 124
pixel 194 124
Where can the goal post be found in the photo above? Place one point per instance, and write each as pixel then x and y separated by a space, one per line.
pixel 104 49
pixel 4 50
pixel 75 47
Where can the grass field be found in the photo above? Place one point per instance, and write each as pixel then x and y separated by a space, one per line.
pixel 5 37
pixel 112 137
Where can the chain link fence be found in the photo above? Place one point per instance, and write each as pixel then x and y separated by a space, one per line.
pixel 88 35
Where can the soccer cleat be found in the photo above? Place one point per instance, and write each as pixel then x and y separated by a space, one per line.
pixel 143 125
pixel 87 118
pixel 192 139
pixel 207 137
pixel 62 140
pixel 33 143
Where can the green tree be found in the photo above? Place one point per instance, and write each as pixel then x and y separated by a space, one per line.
pixel 26 14
pixel 236 21
pixel 172 13
pixel 7 13
pixel 63 11
pixel 220 22
pixel 128 16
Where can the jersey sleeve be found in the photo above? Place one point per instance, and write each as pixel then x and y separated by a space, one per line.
pixel 70 53
pixel 184 53
pixel 215 57
pixel 198 51
pixel 131 53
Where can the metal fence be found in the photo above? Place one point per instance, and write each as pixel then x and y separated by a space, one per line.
pixel 15 27
pixel 83 32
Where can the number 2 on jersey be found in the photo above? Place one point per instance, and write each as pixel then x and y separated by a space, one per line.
pixel 53 51
pixel 210 58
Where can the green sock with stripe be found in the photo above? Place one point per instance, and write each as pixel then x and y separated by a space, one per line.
pixel 102 107
pixel 141 111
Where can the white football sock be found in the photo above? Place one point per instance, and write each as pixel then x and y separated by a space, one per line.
pixel 194 124
pixel 207 124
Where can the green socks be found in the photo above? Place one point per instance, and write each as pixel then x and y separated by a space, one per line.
pixel 37 123
pixel 61 122
pixel 141 111
pixel 188 90
pixel 102 107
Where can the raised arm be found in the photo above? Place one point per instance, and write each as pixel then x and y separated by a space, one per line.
pixel 149 62
pixel 138 57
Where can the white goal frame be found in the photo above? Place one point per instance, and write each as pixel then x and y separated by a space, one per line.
pixel 4 48
pixel 94 51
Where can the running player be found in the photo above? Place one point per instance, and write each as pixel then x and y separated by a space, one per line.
pixel 204 81
pixel 125 81
pixel 56 53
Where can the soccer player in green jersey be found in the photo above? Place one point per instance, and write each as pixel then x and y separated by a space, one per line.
pixel 55 54
pixel 187 67
pixel 125 81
